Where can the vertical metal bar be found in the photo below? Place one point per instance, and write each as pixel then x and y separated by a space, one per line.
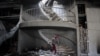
pixel 20 20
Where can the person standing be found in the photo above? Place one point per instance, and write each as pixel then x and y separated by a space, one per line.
pixel 54 48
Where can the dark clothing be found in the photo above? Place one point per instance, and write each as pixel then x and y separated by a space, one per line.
pixel 54 48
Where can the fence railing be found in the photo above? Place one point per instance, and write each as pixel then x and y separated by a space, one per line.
pixel 83 42
pixel 50 13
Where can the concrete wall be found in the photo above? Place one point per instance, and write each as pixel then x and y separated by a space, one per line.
pixel 93 21
pixel 28 40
